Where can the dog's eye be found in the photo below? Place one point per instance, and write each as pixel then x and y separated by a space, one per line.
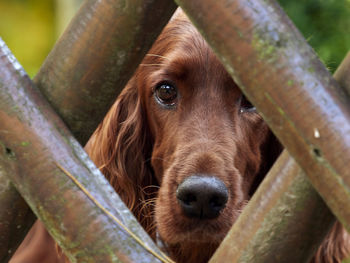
pixel 245 105
pixel 166 93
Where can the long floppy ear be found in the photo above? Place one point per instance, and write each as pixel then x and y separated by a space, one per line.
pixel 270 150
pixel 121 147
pixel 336 246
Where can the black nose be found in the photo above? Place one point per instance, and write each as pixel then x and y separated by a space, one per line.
pixel 202 196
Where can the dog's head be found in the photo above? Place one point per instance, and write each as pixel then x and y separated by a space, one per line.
pixel 184 125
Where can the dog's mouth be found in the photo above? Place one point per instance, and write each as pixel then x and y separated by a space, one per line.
pixel 204 231
pixel 195 230
pixel 200 239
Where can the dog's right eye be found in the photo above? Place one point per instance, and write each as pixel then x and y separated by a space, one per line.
pixel 246 105
pixel 166 94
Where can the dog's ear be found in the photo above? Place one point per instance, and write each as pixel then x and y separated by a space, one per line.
pixel 270 150
pixel 335 247
pixel 121 147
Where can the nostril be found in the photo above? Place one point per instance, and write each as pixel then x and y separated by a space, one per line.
pixel 217 201
pixel 202 196
pixel 188 199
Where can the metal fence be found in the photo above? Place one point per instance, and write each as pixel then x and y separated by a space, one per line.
pixel 273 65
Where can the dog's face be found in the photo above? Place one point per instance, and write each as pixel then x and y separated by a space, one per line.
pixel 203 127
pixel 185 150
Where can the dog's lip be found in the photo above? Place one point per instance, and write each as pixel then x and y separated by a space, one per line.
pixel 197 231
pixel 193 237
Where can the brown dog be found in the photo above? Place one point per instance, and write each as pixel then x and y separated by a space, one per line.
pixel 185 150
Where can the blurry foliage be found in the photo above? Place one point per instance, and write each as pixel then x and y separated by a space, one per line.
pixel 29 27
pixel 326 26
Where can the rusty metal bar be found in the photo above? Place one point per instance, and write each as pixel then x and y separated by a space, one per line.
pixel 96 56
pixel 60 183
pixel 279 221
pixel 282 76
pixel 82 76
pixel 16 217
pixel 342 74
pixel 281 214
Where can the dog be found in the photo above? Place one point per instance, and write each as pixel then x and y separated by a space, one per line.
pixel 186 150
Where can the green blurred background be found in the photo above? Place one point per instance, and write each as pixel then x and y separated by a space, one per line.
pixel 31 27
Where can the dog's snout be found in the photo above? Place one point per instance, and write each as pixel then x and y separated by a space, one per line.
pixel 202 196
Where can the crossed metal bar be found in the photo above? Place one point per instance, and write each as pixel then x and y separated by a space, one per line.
pixel 86 70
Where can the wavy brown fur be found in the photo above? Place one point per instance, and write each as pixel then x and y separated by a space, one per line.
pixel 121 148
pixel 146 149
pixel 335 247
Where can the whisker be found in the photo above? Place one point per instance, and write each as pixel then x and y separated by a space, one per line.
pixel 152 228
pixel 151 186
pixel 151 64
pixel 150 201
pixel 159 56
pixel 147 190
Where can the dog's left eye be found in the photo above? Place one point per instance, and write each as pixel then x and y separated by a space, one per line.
pixel 246 105
pixel 166 93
